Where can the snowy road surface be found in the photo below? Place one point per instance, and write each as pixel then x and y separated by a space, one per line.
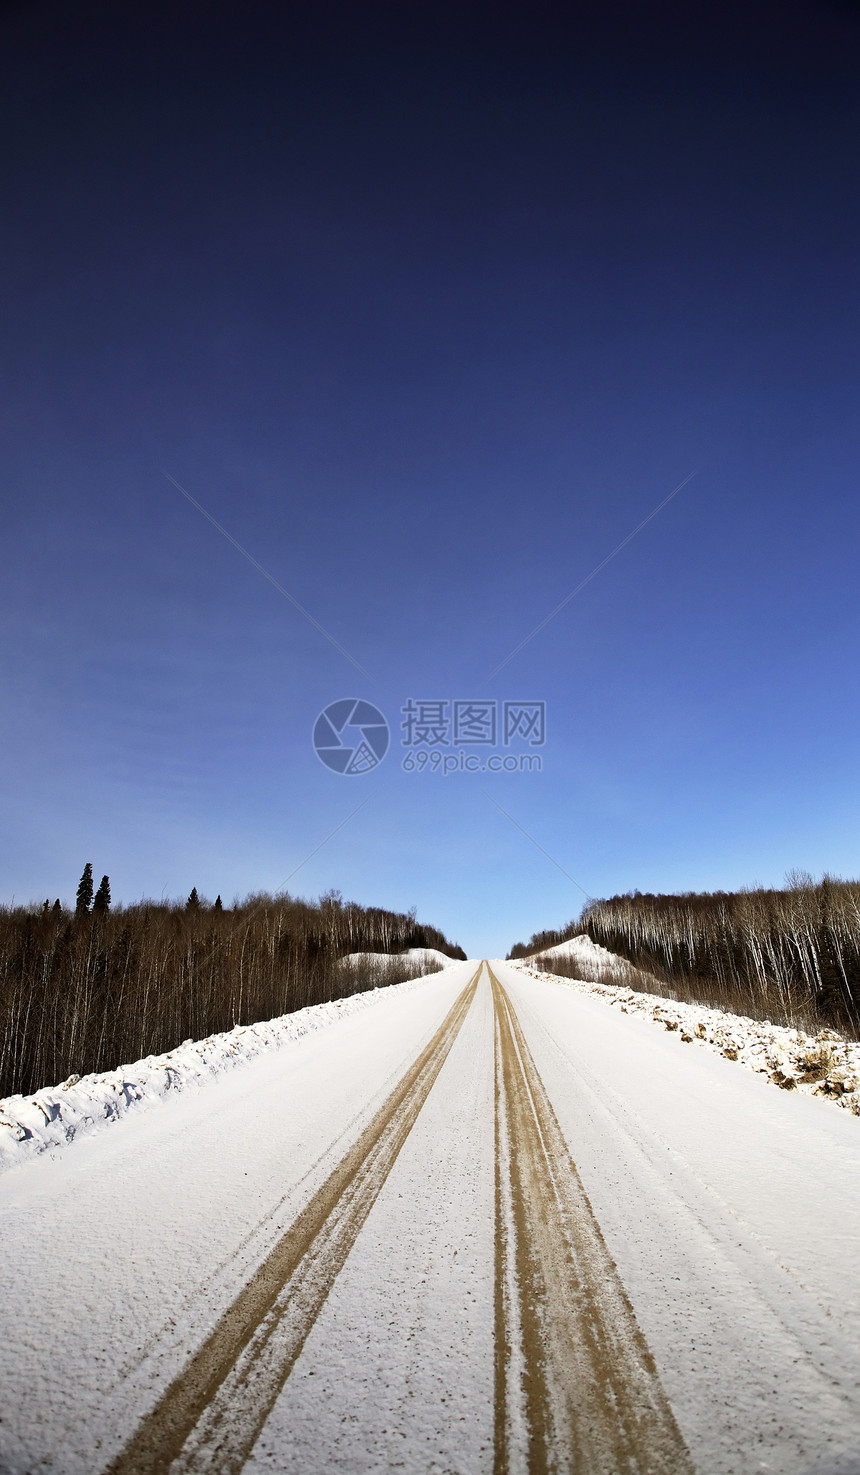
pixel 487 1225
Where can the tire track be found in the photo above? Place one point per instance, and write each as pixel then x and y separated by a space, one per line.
pixel 576 1385
pixel 210 1415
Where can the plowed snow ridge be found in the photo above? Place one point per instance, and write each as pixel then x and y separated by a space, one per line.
pixel 825 1064
pixel 57 1115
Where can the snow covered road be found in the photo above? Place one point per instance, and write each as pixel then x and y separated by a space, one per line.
pixel 489 1224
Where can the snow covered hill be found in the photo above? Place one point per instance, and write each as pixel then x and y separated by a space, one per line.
pixel 581 949
pixel 423 959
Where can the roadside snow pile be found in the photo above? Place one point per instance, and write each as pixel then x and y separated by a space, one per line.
pixel 825 1064
pixel 582 950
pixel 427 958
pixel 56 1115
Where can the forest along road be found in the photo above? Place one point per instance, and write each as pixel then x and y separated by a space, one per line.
pixel 487 1225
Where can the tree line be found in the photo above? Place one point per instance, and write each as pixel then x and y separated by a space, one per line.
pixel 790 953
pixel 89 988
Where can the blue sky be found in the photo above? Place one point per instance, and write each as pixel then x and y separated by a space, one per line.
pixel 429 307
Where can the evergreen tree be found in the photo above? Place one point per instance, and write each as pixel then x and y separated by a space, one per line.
pixel 219 906
pixel 193 902
pixel 84 898
pixel 47 904
pixel 101 902
pixel 56 907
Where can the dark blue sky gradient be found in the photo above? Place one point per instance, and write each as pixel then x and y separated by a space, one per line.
pixel 429 305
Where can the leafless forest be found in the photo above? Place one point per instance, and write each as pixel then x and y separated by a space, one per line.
pixel 791 955
pixel 91 989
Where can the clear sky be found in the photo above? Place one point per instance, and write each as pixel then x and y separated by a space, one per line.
pixel 429 305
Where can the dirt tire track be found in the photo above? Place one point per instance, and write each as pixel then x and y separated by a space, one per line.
pixel 210 1415
pixel 576 1385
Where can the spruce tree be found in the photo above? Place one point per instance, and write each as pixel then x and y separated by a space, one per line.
pixel 101 902
pixel 193 902
pixel 56 907
pixel 219 905
pixel 84 898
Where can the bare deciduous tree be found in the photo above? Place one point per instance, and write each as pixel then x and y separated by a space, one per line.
pixel 90 991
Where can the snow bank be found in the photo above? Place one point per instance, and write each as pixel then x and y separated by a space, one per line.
pixel 429 955
pixel 423 957
pixel 56 1115
pixel 819 1065
pixel 582 950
